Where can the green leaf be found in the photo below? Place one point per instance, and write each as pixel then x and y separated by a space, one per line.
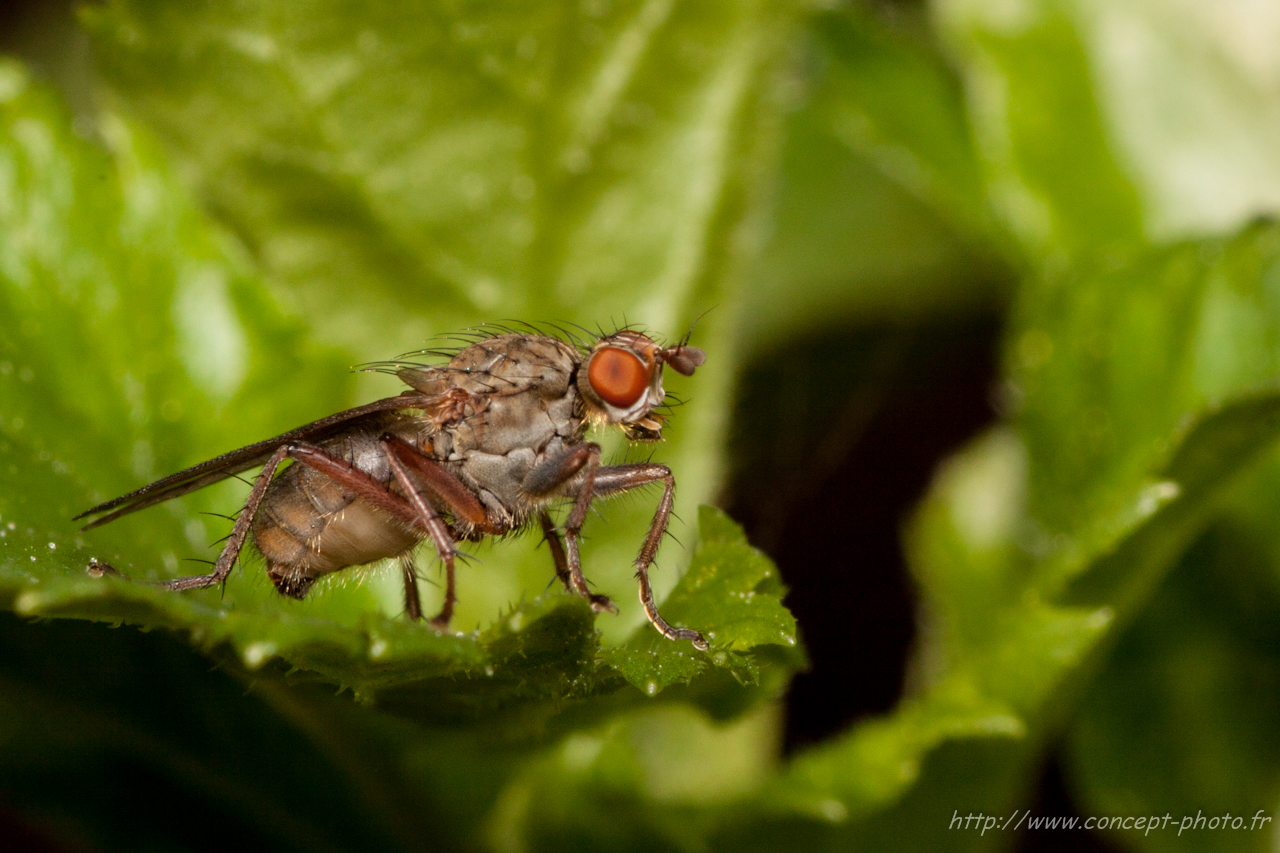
pixel 1028 555
pixel 1052 171
pixel 1117 362
pixel 120 291
pixel 137 336
pixel 983 641
pixel 893 99
pixel 134 334
pixel 1162 104
pixel 732 594
pixel 412 171
pixel 881 210
pixel 398 175
pixel 1180 721
pixel 458 160
pixel 1108 123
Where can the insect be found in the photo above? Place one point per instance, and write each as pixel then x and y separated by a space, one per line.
pixel 480 445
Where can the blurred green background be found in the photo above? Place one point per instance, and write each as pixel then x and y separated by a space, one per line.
pixel 991 298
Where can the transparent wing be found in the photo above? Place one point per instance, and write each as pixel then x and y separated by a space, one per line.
pixel 230 464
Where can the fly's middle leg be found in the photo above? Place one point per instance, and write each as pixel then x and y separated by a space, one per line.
pixel 412 601
pixel 572 583
pixel 548 478
pixel 556 547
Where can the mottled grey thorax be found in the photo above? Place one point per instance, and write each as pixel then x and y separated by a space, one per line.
pixel 526 409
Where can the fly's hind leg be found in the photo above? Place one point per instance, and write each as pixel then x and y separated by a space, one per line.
pixel 239 532
pixel 614 479
pixel 340 471
pixel 412 601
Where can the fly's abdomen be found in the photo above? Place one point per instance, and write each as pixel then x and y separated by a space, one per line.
pixel 309 526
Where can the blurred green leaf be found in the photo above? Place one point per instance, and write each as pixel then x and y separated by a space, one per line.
pixel 881 211
pixel 893 99
pixel 1116 362
pixel 1181 97
pixel 990 655
pixel 1051 170
pixel 1050 538
pixel 448 162
pixel 95 755
pixel 1181 720
pixel 133 335
pixel 1028 550
pixel 1186 89
pixel 1125 121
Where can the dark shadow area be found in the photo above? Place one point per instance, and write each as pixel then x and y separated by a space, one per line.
pixel 836 439
pixel 1053 800
pixel 45 37
pixel 18 835
pixel 102 753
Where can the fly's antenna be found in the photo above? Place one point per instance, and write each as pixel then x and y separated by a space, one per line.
pixel 689 334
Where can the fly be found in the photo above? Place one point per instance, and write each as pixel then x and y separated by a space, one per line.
pixel 479 446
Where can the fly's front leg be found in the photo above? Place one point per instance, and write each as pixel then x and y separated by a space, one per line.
pixel 614 479
pixel 547 479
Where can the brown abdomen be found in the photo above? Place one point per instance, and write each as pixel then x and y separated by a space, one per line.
pixel 309 526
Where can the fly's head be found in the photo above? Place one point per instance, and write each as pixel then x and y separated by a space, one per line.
pixel 621 380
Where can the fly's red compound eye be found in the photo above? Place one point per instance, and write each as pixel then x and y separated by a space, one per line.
pixel 619 377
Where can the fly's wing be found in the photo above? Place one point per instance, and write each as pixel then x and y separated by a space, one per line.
pixel 230 464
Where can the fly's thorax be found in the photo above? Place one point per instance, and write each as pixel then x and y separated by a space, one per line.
pixel 506 402
pixel 500 394
pixel 512 421
pixel 497 480
pixel 503 364
pixel 494 451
